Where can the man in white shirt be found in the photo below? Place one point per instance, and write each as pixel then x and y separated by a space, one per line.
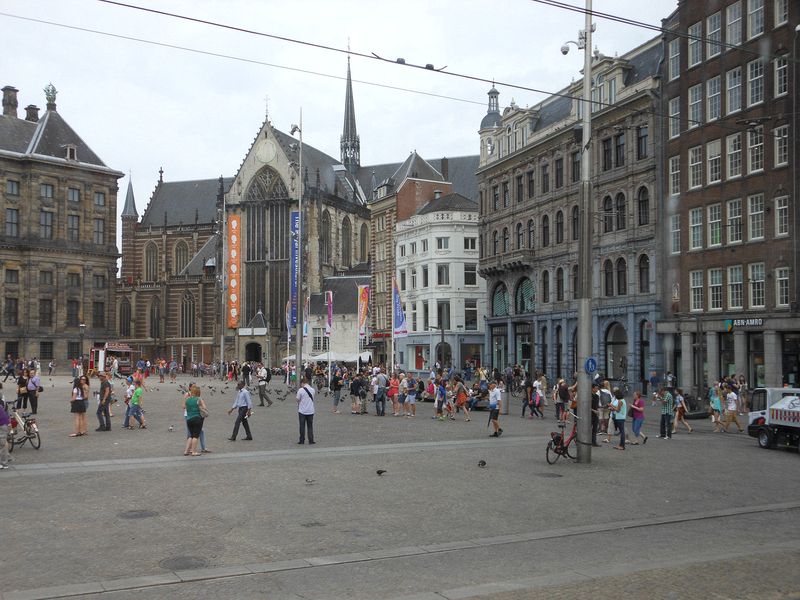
pixel 263 378
pixel 731 409
pixel 305 411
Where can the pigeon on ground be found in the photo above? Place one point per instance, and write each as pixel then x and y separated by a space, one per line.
pixel 481 463
pixel 381 471
pixel 310 481
pixel 171 428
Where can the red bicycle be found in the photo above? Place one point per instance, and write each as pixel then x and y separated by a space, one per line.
pixel 559 445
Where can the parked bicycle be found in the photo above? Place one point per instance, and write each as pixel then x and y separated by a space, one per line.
pixel 559 445
pixel 517 386
pixel 22 428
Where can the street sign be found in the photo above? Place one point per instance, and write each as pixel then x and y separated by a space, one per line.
pixel 591 365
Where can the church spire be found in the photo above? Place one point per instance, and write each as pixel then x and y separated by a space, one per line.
pixel 350 144
pixel 129 210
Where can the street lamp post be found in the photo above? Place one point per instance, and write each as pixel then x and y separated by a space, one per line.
pixel 298 358
pixel 585 247
pixel 82 330
pixel 440 354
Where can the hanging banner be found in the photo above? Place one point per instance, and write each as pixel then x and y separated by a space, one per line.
pixel 288 319
pixel 233 270
pixel 363 310
pixel 399 316
pixel 329 305
pixel 294 276
pixel 306 305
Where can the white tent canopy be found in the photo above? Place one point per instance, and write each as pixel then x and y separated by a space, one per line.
pixel 334 357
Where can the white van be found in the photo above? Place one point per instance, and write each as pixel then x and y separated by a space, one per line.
pixel 774 417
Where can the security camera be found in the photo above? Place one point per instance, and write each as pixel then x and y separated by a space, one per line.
pixel 564 49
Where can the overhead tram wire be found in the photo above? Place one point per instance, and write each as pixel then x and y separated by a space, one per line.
pixel 663 30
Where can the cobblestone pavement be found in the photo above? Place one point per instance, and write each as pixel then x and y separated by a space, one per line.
pixel 123 514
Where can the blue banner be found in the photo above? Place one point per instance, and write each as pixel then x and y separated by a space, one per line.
pixel 399 320
pixel 294 275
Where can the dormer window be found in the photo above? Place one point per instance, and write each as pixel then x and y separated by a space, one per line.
pixel 72 152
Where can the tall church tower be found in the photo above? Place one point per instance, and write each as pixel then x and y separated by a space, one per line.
pixel 350 144
pixel 130 219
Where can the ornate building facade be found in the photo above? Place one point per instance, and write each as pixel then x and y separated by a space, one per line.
pixel 58 248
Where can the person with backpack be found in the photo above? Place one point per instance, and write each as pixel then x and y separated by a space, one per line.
pixel 263 379
pixel 305 412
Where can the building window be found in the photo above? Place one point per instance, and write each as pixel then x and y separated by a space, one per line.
pixel 442 243
pixel 576 167
pixel 714 160
pixel 363 240
pixel 608 215
pixel 326 255
pixel 696 228
pixel 781 76
pixel 695 167
pixel 99 199
pixel 695 42
pixel 46 350
pixel 12 222
pixel 559 173
pixel 715 225
pixel 755 18
pixel 695 106
pixel 734 226
pixel 674 175
pixel 675 233
pixel 643 206
pixel 505 194
pixel 155 318
pixel 545 231
pixel 505 240
pixel 470 243
pixel 45 278
pixel 46 225
pixel 734 20
pixel 181 256
pixel 46 190
pixel 782 216
pixel 402 280
pixel 641 142
pixel 622 277
pixel 411 307
pixel 782 286
pixel 607 156
pixel 756 276
pixel 696 291
pixel 520 236
pixel 402 250
pixel 45 313
pixel 713 99
pixel 520 189
pixel 781 137
pixel 99 315
pixel 425 276
pixel 781 12
pixel 320 342
pixel 755 82
pixel 674 117
pixel 11 312
pixel 151 262
pixel 622 211
pixel 713 35
pixel 73 314
pixel 734 80
pixel 619 149
pixel 12 187
pixel 496 197
pixel 575 282
pixel 73 228
pixel 545 286
pixel 443 314
pixel 545 177
pixel 413 279
pixel 644 274
pixel 125 318
pixel 470 274
pixel 735 287
pixel 608 278
pixel 187 316
pixel 471 315
pixel 424 245
pixel 715 289
pixel 755 217
pixel 531 230
pixel 12 276
pixel 734 144
pixel 499 301
pixel 576 224
pixel 495 243
pixel 674 58
pixel 99 231
pixel 443 274
pixel 531 181
pixel 559 227
pixel 412 247
pixel 73 194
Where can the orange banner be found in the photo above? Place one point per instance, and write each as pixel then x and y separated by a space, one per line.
pixel 234 270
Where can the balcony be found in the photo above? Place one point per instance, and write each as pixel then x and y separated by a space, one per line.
pixel 516 260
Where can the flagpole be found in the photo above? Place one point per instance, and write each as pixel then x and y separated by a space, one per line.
pixel 329 328
pixel 391 356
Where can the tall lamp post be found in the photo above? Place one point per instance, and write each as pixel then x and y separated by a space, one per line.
pixel 82 330
pixel 441 345
pixel 585 247
pixel 298 357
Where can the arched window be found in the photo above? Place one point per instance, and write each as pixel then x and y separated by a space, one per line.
pixel 644 274
pixel 347 243
pixel 576 224
pixel 181 257
pixel 559 284
pixel 151 262
pixel 500 301
pixel 187 316
pixel 575 282
pixel 364 240
pixel 505 240
pixel 622 211
pixel 325 238
pixel 155 318
pixel 622 278
pixel 495 243
pixel 643 206
pixel 545 286
pixel 520 236
pixel 125 318
pixel 545 231
pixel 531 230
pixel 608 215
pixel 524 299
pixel 559 227
pixel 608 278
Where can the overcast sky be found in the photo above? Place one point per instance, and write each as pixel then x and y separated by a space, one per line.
pixel 141 106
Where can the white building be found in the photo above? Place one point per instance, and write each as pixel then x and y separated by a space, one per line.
pixel 443 296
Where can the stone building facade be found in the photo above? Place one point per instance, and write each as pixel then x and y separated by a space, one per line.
pixel 58 248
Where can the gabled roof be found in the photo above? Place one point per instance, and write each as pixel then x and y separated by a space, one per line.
pixel 345 295
pixel 15 133
pixel 52 136
pixel 180 200
pixel 449 202
pixel 460 171
pixel 258 321
pixel 416 167
pixel 206 256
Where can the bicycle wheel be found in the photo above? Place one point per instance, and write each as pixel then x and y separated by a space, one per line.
pixel 34 438
pixel 10 440
pixel 517 391
pixel 571 449
pixel 552 454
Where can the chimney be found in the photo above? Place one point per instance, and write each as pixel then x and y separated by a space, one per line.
pixel 437 194
pixel 10 101
pixel 446 169
pixel 32 113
